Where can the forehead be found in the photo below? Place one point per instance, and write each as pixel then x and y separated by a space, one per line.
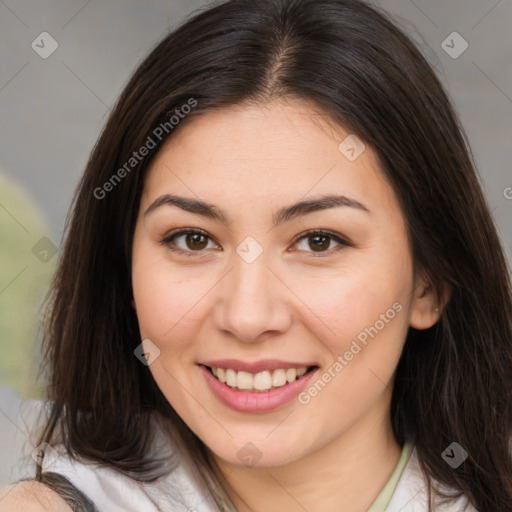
pixel 273 153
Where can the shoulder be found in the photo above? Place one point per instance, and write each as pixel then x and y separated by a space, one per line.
pixel 179 487
pixel 31 497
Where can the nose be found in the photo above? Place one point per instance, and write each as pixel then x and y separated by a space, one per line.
pixel 252 301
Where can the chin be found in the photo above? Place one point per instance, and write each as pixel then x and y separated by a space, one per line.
pixel 261 452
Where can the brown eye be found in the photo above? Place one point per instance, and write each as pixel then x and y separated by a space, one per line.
pixel 186 241
pixel 321 241
pixel 195 241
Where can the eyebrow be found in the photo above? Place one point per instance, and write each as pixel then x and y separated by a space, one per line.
pixel 282 215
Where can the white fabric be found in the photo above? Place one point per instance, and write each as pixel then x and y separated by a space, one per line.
pixel 184 491
pixel 111 492
pixel 411 492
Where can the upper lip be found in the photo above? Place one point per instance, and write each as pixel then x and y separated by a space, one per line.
pixel 255 366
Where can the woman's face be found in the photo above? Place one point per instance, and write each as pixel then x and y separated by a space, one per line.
pixel 251 297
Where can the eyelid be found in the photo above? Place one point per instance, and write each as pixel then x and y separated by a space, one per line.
pixel 338 238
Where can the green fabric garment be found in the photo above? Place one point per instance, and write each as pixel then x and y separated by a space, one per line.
pixel 384 497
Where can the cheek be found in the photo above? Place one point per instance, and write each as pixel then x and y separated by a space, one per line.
pixel 166 300
pixel 367 323
pixel 366 299
pixel 346 303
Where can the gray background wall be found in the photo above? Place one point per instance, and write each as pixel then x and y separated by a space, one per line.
pixel 52 109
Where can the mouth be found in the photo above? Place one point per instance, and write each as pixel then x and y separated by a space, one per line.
pixel 260 382
pixel 256 387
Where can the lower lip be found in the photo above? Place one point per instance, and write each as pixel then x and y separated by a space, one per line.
pixel 265 401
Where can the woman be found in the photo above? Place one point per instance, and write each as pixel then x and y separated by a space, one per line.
pixel 281 288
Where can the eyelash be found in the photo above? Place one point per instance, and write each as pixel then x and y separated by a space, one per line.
pixel 168 239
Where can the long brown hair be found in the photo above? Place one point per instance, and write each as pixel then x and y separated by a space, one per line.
pixel 453 381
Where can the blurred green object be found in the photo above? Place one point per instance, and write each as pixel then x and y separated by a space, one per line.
pixel 28 260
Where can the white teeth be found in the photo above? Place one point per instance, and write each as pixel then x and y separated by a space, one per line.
pixel 291 374
pixel 231 377
pixel 261 381
pixel 244 380
pixel 279 378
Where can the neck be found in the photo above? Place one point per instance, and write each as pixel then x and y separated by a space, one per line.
pixel 345 474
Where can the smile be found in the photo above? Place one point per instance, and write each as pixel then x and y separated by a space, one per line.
pixel 259 382
pixel 258 387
